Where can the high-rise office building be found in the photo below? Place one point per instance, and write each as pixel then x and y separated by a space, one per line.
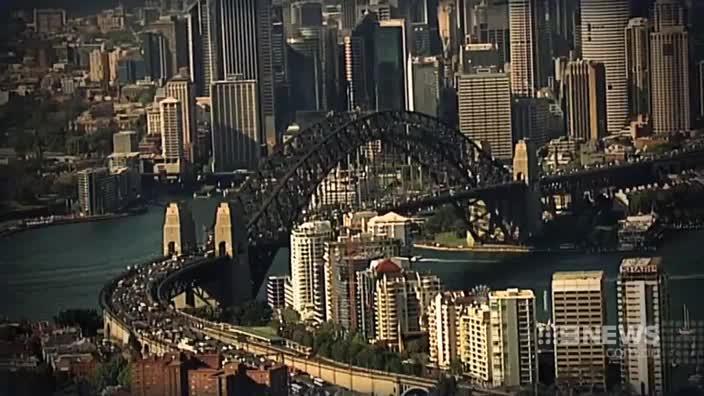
pixel 343 259
pixel 487 22
pixel 529 58
pixel 669 62
pixel 603 40
pixel 181 89
pixel 426 85
pixel 638 65
pixel 643 302
pixel 171 134
pixel 306 62
pixel 585 99
pixel 202 24
pixel 484 108
pixel 514 354
pixel 154 120
pixel 125 142
pixel 579 314
pixel 49 20
pixel 391 71
pixel 307 268
pixel 174 30
pixel 355 78
pixel 244 42
pixel 97 191
pixel 157 60
pixel 235 125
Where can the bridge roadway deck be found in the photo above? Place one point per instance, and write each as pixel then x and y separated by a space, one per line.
pixel 133 311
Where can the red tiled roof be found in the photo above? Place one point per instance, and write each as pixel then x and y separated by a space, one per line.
pixel 387 266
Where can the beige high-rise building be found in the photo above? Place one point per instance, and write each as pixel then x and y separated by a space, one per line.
pixel 179 230
pixel 181 88
pixel 579 314
pixel 638 65
pixel 475 343
pixel 307 268
pixel 171 135
pixel 99 66
pixel 154 120
pixel 401 299
pixel 343 259
pixel 585 101
pixel 643 302
pixel 444 314
pixel 484 109
pixel 527 24
pixel 603 40
pixel 513 334
pixel 669 60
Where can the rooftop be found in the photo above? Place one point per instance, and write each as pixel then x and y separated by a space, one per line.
pixel 577 275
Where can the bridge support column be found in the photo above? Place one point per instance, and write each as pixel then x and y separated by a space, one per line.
pixel 231 241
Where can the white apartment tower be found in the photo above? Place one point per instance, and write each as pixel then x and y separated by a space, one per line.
pixel 307 268
pixel 171 134
pixel 513 334
pixel 643 301
pixel 579 314
pixel 603 40
pixel 181 88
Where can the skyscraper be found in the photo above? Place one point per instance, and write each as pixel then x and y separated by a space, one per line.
pixel 579 314
pixel 97 193
pixel 669 60
pixel 603 40
pixel 484 101
pixel 392 74
pixel 235 125
pixel 643 301
pixel 585 99
pixel 175 32
pixel 513 334
pixel 487 22
pixel 181 89
pixel 307 268
pixel 155 50
pixel 171 135
pixel 528 56
pixel 638 65
pixel 202 23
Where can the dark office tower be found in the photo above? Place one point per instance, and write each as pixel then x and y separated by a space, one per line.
pixel 306 13
pixel 355 78
pixel 235 125
pixel 349 14
pixel 280 66
pixel 529 56
pixel 305 61
pixel 201 22
pixel 244 42
pixel 563 24
pixel 175 32
pixel 155 51
pixel 638 65
pixel 391 74
pixel 364 36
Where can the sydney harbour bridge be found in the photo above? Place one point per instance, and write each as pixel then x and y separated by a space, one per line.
pixel 257 221
pixel 507 204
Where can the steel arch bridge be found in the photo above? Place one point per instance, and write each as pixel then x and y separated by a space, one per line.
pixel 275 198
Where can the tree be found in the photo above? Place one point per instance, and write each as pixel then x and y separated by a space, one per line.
pixel 110 372
pixel 87 319
pixel 456 367
pixel 446 386
pixel 339 351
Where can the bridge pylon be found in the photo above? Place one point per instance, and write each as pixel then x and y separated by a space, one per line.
pixel 231 241
pixel 179 230
pixel 525 169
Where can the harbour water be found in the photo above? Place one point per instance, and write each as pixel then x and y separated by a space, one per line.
pixel 54 268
